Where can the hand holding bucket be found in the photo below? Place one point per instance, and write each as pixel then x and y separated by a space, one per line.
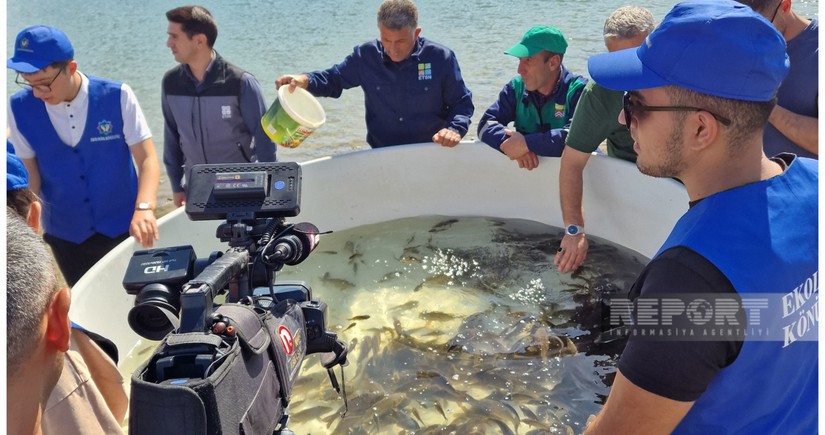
pixel 292 117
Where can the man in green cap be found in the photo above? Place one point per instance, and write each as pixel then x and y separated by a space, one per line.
pixel 540 101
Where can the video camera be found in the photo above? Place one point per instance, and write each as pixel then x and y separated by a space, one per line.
pixel 228 368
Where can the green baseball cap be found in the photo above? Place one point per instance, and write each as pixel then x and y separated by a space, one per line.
pixel 537 39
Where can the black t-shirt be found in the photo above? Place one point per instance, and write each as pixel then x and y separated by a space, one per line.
pixel 676 367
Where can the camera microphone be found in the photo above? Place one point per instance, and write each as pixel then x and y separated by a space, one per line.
pixel 296 244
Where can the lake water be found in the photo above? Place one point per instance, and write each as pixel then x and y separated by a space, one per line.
pixel 127 42
pixel 457 324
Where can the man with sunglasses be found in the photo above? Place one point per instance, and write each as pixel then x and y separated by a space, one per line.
pixel 77 136
pixel 794 123
pixel 723 328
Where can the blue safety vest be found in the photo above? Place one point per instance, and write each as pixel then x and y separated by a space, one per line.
pixel 763 237
pixel 86 189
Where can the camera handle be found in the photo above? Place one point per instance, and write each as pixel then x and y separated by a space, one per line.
pixel 197 294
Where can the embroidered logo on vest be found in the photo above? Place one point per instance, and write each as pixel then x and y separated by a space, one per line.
pixel 425 71
pixel 226 112
pixel 559 111
pixel 104 128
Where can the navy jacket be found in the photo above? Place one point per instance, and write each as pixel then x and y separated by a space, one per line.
pixel 406 102
pixel 548 143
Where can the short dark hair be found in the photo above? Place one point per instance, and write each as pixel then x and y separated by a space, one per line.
pixel 761 6
pixel 549 54
pixel 398 14
pixel 31 284
pixel 20 200
pixel 747 117
pixel 60 64
pixel 194 20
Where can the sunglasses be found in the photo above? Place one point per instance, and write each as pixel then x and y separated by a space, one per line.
pixel 629 106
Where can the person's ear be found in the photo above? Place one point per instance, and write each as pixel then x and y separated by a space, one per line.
pixel 417 31
pixel 71 67
pixel 58 325
pixel 706 130
pixel 553 62
pixel 33 218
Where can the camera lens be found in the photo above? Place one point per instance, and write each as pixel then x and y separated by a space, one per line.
pixel 155 313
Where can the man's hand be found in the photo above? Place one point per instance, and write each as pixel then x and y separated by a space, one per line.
pixel 515 147
pixel 179 198
pixel 528 161
pixel 144 228
pixel 572 253
pixel 293 81
pixel 447 138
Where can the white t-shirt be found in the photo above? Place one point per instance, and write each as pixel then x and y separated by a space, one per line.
pixel 69 119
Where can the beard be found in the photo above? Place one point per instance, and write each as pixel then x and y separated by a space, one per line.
pixel 671 163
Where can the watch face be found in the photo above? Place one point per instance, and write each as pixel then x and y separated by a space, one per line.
pixel 572 230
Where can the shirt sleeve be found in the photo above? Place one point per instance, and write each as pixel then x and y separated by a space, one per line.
pixel 496 118
pixel 253 107
pixel 331 82
pixel 458 98
pixel 670 366
pixel 549 144
pixel 172 153
pixel 135 128
pixel 595 118
pixel 21 146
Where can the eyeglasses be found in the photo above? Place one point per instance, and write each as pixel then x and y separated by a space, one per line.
pixel 629 107
pixel 43 89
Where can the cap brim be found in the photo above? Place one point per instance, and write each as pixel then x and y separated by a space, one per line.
pixel 23 67
pixel 622 71
pixel 519 50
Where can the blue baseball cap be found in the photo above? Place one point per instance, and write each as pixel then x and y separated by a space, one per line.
pixel 715 47
pixel 17 177
pixel 37 47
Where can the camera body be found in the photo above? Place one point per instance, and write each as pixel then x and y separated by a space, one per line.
pixel 232 364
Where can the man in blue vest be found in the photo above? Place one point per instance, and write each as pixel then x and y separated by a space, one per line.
pixel 540 101
pixel 724 329
pixel 77 136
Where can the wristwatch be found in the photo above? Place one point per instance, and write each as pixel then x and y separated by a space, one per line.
pixel 573 230
pixel 144 206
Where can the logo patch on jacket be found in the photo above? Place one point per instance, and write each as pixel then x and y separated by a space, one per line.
pixel 559 111
pixel 425 71
pixel 226 112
